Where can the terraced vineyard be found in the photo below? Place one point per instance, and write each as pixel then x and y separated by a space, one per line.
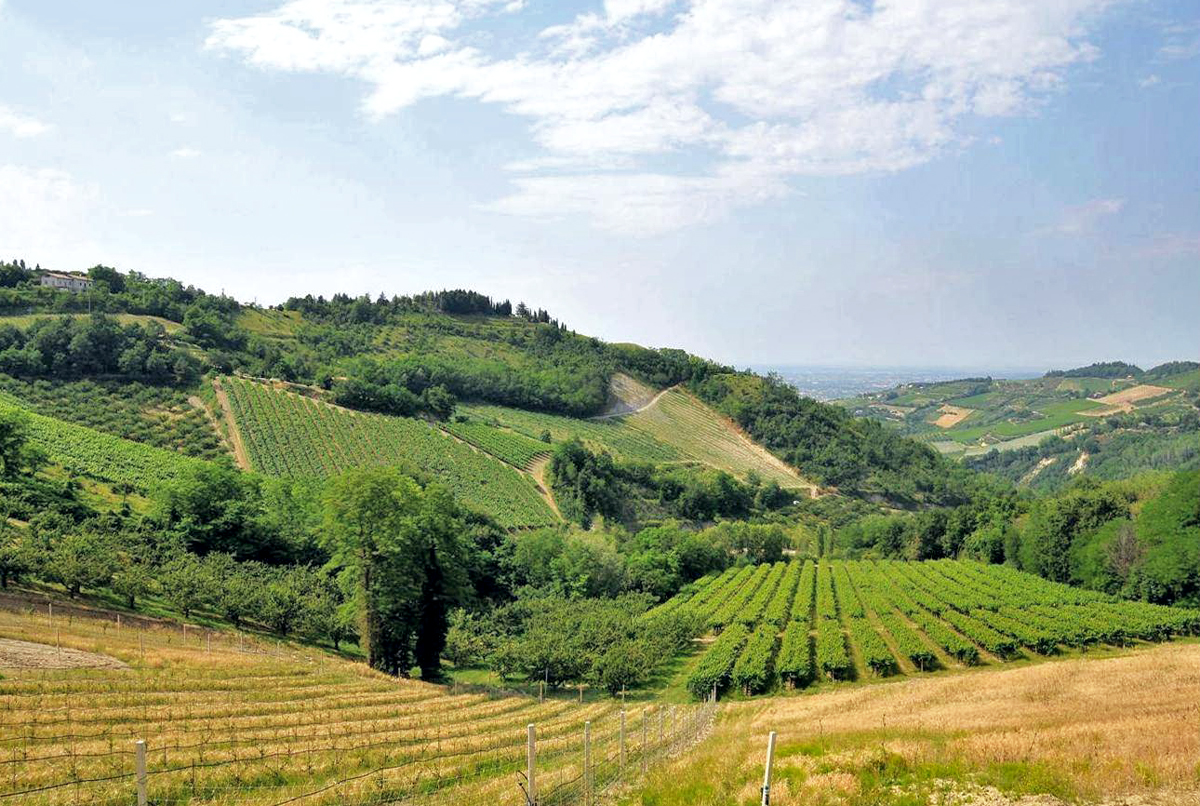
pixel 86 452
pixel 676 428
pixel 227 721
pixel 291 435
pixel 858 619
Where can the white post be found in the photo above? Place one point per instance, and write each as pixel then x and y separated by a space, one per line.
pixel 141 772
pixel 661 714
pixel 541 691
pixel 766 787
pixel 587 764
pixel 531 762
pixel 622 744
pixel 50 605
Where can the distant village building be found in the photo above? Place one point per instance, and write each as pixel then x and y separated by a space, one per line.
pixel 70 282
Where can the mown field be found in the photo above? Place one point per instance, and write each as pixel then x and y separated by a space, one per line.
pixel 291 435
pixel 789 625
pixel 677 428
pixel 230 720
pixel 86 452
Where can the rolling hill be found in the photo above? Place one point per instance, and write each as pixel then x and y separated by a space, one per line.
pixel 1110 420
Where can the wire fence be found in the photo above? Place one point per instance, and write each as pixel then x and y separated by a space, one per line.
pixel 225 722
pixel 574 763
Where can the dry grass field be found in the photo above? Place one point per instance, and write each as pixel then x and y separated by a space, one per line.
pixel 699 433
pixel 1123 729
pixel 230 720
pixel 952 416
pixel 1126 399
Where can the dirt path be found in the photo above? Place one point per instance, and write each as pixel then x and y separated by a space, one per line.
pixel 27 655
pixel 635 410
pixel 235 436
pixel 538 471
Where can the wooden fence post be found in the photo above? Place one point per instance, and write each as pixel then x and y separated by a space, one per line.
pixel 587 764
pixel 622 744
pixel 141 771
pixel 531 763
pixel 643 741
pixel 766 787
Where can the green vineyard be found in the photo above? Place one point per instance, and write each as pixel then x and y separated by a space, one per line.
pixel 291 435
pixel 508 446
pixel 87 452
pixel 790 624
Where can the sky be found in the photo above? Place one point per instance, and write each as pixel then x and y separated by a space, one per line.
pixel 990 183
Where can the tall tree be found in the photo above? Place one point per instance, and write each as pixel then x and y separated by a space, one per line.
pixel 403 544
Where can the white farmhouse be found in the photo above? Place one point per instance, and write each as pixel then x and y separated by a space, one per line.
pixel 69 282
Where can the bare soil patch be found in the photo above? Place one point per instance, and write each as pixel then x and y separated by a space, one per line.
pixel 627 395
pixel 952 416
pixel 28 655
pixel 235 437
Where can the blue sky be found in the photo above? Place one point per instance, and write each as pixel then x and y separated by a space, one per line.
pixel 843 182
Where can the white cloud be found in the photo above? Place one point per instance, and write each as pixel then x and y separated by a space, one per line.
pixel 1084 218
pixel 185 153
pixel 1182 41
pixel 1149 81
pixel 19 125
pixel 753 92
pixel 42 211
pixel 136 212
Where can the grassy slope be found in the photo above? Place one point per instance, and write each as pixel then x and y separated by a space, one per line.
pixel 676 428
pixel 1089 728
pixel 290 435
pixel 24 321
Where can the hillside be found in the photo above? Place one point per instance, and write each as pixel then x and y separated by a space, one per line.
pixel 228 719
pixel 1088 730
pixel 290 435
pixel 423 356
pixel 1108 420
pixel 671 427
pixel 88 453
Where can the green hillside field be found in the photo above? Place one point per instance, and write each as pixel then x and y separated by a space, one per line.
pixel 86 452
pixel 290 435
pixel 675 428
pixel 791 625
